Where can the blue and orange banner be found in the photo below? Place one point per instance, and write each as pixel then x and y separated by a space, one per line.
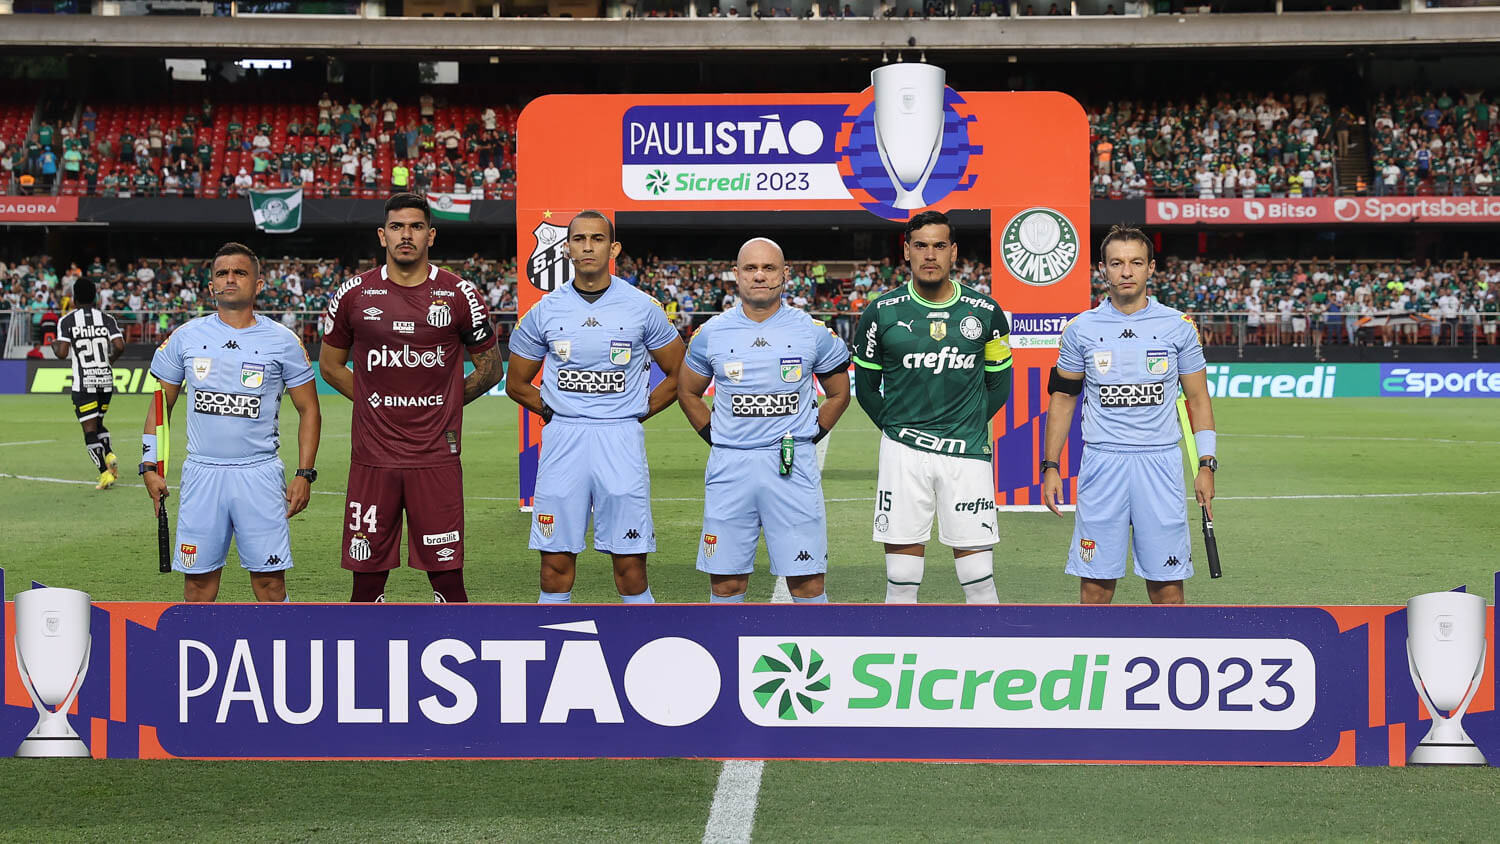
pixel 1137 684
pixel 1019 156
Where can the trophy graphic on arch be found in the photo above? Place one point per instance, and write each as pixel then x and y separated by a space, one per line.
pixel 52 655
pixel 909 126
pixel 1445 651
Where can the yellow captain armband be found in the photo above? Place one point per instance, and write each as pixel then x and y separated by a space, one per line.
pixel 997 354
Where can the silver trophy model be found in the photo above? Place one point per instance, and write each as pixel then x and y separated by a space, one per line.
pixel 52 653
pixel 909 126
pixel 1445 649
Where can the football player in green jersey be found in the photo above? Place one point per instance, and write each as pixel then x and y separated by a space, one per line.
pixel 942 353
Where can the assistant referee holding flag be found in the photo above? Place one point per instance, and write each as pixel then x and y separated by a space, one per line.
pixel 1127 357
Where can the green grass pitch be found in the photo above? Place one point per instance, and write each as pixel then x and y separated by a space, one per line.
pixel 1343 501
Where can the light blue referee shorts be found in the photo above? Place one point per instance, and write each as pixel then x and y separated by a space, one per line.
pixel 1131 499
pixel 593 466
pixel 245 502
pixel 744 492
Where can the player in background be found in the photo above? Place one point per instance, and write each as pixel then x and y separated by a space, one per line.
pixel 763 470
pixel 594 336
pixel 233 366
pixel 1126 357
pixel 941 353
pixel 404 326
pixel 95 341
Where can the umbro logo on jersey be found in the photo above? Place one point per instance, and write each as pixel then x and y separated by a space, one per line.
pixel 232 345
pixel 590 323
pixel 759 342
pixel 1127 334
pixel 802 557
pixel 632 534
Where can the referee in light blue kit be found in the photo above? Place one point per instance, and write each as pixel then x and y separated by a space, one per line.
pixel 1127 357
pixel 597 337
pixel 233 366
pixel 762 466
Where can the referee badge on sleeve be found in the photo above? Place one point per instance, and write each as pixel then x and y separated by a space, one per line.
pixel 252 375
pixel 619 352
pixel 1156 361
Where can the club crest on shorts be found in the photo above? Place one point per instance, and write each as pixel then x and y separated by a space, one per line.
pixel 710 544
pixel 619 352
pixel 546 523
pixel 1102 359
pixel 201 366
pixel 439 315
pixel 252 375
pixel 937 329
pixel 1157 361
pixel 563 349
pixel 359 547
pixel 970 327
pixel 791 370
pixel 882 522
pixel 1086 549
pixel 188 554
pixel 734 370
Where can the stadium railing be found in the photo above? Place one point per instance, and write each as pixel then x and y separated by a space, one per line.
pixel 1372 328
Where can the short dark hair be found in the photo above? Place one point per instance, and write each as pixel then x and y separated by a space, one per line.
pixel 83 292
pixel 1123 234
pixel 233 248
pixel 593 215
pixel 929 218
pixel 408 200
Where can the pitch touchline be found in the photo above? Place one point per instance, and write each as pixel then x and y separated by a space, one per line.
pixel 1363 439
pixel 1309 497
pixel 29 442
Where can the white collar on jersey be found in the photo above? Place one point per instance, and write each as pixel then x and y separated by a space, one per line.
pixel 431 272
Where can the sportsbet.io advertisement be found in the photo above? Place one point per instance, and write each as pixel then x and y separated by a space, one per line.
pixel 1292 685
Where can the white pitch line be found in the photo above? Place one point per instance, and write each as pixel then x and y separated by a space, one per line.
pixel 29 442
pixel 731 818
pixel 1363 439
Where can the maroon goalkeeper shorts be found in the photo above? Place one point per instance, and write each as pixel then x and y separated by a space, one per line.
pixel 433 500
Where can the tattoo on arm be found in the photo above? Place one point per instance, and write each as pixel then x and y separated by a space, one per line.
pixel 486 374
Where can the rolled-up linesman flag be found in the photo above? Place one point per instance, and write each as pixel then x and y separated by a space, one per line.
pixel 163 445
pixel 1210 544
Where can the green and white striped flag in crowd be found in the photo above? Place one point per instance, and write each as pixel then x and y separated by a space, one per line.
pixel 277 211
pixel 449 206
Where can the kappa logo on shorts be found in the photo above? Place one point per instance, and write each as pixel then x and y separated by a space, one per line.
pixel 359 547
pixel 710 544
pixel 802 557
pixel 440 538
pixel 188 554
pixel 632 534
pixel 273 560
pixel 546 523
pixel 1086 549
pixel 1172 561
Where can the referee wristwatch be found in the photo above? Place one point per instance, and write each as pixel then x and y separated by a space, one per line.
pixel 310 474
pixel 144 468
pixel 1051 464
pixel 1209 463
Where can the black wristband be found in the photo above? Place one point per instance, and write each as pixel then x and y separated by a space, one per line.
pixel 706 433
pixel 546 413
pixel 822 432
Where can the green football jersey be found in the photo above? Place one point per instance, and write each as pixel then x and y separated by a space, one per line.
pixel 933 357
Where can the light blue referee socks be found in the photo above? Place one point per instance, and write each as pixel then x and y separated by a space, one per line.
pixel 818 599
pixel 556 598
pixel 643 598
pixel 729 599
pixel 287 599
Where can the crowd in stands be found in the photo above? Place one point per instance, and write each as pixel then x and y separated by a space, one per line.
pixel 1434 144
pixel 1288 303
pixel 331 148
pixel 1265 145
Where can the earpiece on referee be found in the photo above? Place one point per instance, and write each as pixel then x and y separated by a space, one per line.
pixel 1058 384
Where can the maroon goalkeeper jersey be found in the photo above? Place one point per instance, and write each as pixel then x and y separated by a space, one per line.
pixel 407 349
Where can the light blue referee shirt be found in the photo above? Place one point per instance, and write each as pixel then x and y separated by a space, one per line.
pixel 232 379
pixel 763 374
pixel 596 355
pixel 1130 365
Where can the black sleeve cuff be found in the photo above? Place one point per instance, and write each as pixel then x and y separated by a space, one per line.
pixel 706 433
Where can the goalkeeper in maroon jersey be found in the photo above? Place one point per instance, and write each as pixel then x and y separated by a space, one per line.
pixel 403 327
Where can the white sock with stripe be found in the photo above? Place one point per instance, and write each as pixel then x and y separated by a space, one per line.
pixel 903 576
pixel 976 574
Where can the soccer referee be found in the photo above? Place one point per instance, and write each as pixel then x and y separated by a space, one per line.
pixel 1126 358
